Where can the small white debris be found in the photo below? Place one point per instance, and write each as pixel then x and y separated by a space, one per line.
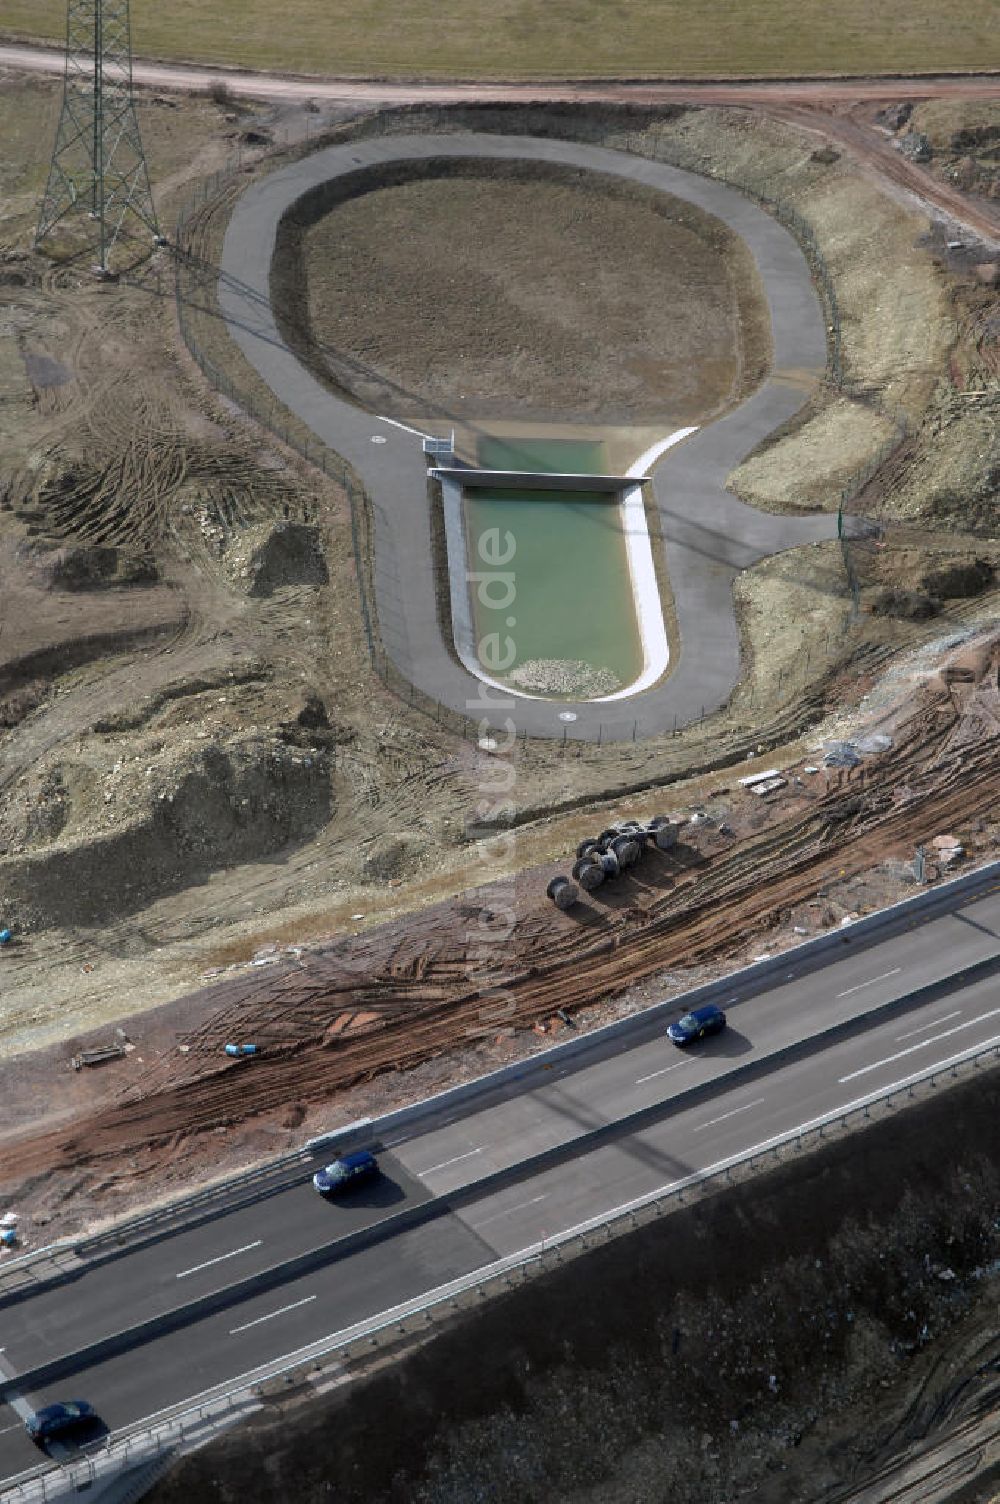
pixel 753 778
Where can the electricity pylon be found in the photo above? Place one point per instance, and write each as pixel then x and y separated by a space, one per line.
pixel 98 167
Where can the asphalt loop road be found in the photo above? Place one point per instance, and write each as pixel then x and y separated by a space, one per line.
pixel 556 1105
pixel 710 535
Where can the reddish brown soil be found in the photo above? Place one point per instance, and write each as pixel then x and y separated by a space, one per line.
pixel 841 123
pixel 407 993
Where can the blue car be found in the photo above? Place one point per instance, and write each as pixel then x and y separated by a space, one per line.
pixel 696 1024
pixel 59 1420
pixel 347 1171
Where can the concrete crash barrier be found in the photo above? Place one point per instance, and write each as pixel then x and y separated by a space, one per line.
pixel 34 1271
pixel 203 1206
pixel 439 1206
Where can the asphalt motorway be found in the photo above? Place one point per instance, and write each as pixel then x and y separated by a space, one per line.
pixel 706 1114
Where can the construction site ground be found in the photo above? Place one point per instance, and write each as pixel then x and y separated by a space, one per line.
pixel 217 823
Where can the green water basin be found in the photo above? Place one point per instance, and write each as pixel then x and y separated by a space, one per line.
pixel 556 617
pixel 555 456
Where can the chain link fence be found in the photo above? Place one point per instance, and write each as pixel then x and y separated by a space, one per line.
pixel 786 214
pixel 196 272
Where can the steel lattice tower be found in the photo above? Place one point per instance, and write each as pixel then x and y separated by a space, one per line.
pixel 98 166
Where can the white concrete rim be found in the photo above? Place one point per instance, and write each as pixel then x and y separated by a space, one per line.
pixel 642 573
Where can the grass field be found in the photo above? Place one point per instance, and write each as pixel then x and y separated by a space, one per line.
pixel 545 38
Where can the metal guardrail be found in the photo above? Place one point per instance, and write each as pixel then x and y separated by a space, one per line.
pixel 314 452
pixel 187 1422
pixel 16 1274
pixel 416 1213
pixel 238 1190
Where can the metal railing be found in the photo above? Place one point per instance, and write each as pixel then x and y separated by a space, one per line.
pixel 246 1186
pixel 181 1424
pixel 22 1273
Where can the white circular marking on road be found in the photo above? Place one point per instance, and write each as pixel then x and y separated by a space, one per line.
pixel 378 438
pixel 567 715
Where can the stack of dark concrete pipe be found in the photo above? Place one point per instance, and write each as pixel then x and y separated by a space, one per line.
pixel 607 856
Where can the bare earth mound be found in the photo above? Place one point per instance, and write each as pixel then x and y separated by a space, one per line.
pixel 531 293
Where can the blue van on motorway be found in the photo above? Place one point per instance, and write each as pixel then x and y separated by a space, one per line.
pixel 696 1024
pixel 349 1170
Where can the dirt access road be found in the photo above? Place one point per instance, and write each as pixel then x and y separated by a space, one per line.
pixel 392 1003
pixel 164 1100
pixel 818 104
pixel 651 91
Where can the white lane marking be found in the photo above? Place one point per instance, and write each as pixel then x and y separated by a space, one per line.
pixel 736 1110
pixel 221 1259
pixel 509 1211
pixel 270 1315
pixel 912 1033
pixel 446 1162
pixel 862 985
pixel 768 1143
pixel 665 1072
pixel 5 1429
pixel 969 1022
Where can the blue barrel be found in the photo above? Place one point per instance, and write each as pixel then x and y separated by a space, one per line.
pixel 249 1049
pixel 232 1049
pixel 5 937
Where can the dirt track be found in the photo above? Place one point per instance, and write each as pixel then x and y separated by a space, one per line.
pixel 820 104
pixel 828 117
pixel 321 1030
pixel 641 91
pixel 408 992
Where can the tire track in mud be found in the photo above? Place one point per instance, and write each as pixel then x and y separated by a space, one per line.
pixel 403 995
pixel 877 153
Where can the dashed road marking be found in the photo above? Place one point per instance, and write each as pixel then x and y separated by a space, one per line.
pixel 270 1315
pixel 910 1049
pixel 665 1071
pixel 912 1033
pixel 871 983
pixel 509 1211
pixel 446 1162
pixel 712 1121
pixel 220 1260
